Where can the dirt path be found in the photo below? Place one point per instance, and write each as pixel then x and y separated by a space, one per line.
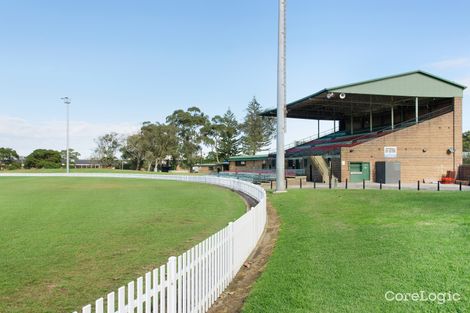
pixel 233 298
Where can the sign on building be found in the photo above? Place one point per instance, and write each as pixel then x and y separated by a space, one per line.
pixel 390 152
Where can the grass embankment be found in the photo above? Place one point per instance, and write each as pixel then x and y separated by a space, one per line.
pixel 64 242
pixel 341 251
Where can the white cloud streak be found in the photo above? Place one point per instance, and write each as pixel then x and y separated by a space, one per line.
pixel 24 136
pixel 456 63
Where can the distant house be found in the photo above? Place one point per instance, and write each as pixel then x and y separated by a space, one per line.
pixel 87 164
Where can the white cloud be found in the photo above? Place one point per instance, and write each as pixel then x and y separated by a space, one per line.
pixel 24 136
pixel 456 63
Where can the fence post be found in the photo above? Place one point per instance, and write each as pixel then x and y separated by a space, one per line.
pixel 314 185
pixel 286 183
pixel 380 185
pixel 460 185
pixel 301 183
pixel 418 185
pixel 271 185
pixel 363 184
pixel 438 186
pixel 329 183
pixel 172 285
pixel 399 184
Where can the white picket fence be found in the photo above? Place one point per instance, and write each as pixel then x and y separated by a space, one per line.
pixel 193 281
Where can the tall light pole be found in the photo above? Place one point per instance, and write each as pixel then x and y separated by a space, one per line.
pixel 67 102
pixel 281 98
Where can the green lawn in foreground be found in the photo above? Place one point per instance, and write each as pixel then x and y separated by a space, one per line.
pixel 64 242
pixel 342 250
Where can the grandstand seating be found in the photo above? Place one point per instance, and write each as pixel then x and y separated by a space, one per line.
pixel 332 143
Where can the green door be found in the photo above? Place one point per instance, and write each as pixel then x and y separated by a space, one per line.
pixel 359 171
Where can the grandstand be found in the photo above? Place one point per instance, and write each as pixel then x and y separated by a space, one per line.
pixel 413 120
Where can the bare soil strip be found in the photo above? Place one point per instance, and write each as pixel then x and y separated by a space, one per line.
pixel 233 298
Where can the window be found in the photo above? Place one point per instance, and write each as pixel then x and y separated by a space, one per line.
pixel 240 163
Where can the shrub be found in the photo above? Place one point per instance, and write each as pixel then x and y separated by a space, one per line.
pixel 43 158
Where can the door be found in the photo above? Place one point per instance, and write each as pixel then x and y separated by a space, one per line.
pixel 359 171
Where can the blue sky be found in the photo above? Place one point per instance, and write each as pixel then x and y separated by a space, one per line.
pixel 125 62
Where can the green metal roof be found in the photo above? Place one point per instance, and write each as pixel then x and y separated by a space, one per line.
pixel 414 84
pixel 248 157
pixel 406 85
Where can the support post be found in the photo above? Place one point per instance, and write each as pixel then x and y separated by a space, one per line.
pixel 318 128
pixel 392 117
pixel 281 97
pixel 416 110
pixel 370 119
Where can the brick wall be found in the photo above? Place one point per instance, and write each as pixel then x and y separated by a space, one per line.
pixel 422 148
pixel 249 165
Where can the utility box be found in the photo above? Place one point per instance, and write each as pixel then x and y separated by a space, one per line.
pixel 387 172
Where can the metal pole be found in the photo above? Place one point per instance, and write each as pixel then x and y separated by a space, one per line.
pixel 392 117
pixel 416 110
pixel 281 97
pixel 68 137
pixel 318 128
pixel 67 105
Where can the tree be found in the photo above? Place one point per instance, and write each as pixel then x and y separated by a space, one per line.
pixel 188 126
pixel 222 135
pixel 8 156
pixel 211 133
pixel 230 137
pixel 159 141
pixel 73 156
pixel 107 147
pixel 258 131
pixel 134 149
pixel 466 141
pixel 43 158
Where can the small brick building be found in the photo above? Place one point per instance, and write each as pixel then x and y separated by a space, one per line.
pixel 411 122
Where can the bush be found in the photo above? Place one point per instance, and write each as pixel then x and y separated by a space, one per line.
pixel 43 158
pixel 14 166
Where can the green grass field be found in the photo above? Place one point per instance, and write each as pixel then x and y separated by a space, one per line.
pixel 341 251
pixel 91 170
pixel 64 242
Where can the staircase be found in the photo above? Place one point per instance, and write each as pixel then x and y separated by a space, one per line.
pixel 322 167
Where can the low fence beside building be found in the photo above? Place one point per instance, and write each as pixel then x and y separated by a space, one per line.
pixel 193 281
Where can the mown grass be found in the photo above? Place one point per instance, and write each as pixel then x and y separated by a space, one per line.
pixel 341 251
pixel 64 241
pixel 91 170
